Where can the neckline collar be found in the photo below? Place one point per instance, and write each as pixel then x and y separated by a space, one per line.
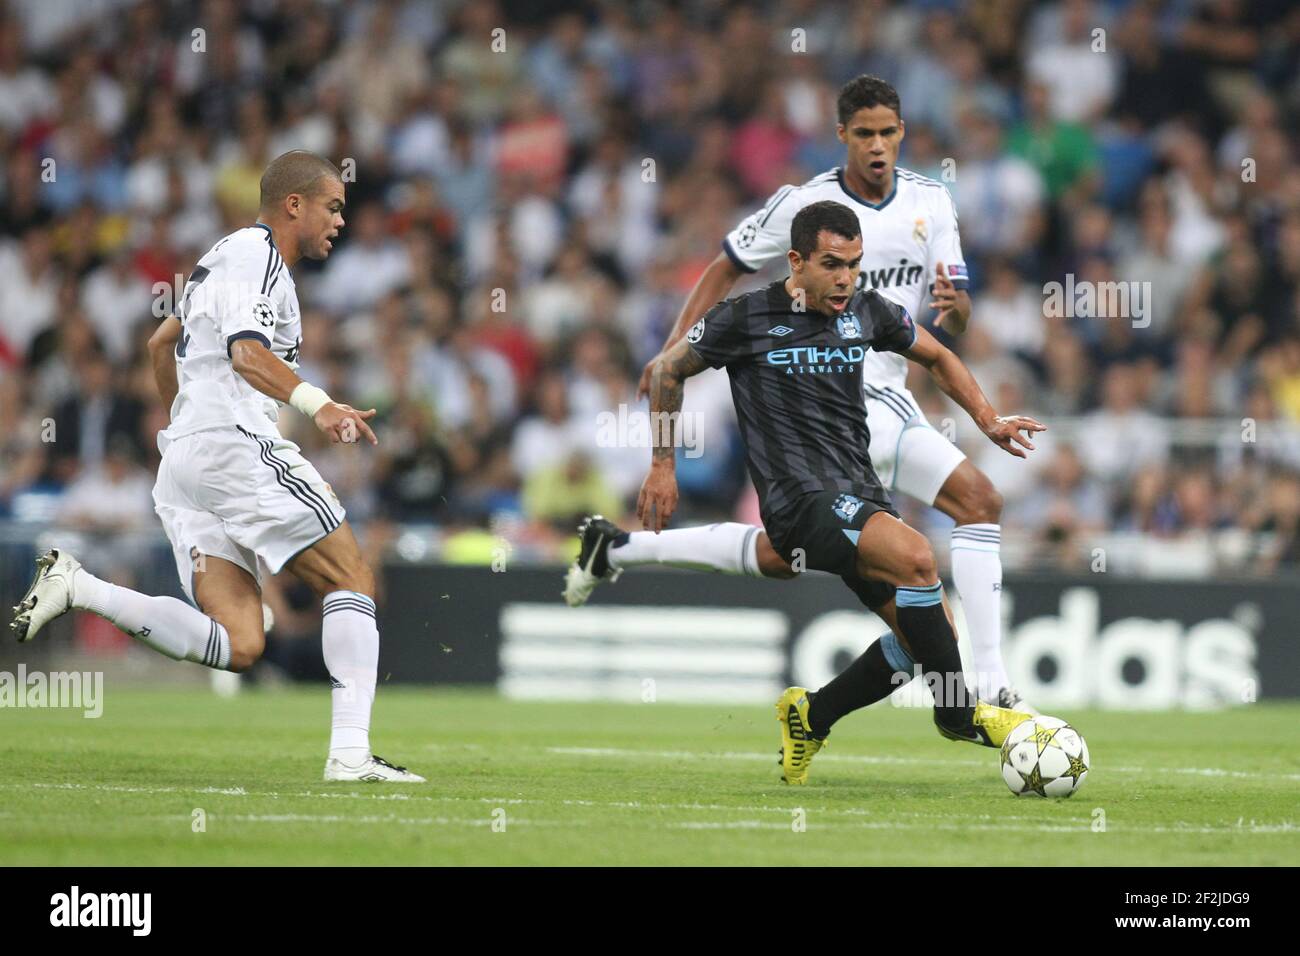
pixel 839 174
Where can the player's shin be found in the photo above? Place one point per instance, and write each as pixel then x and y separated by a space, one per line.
pixel 977 575
pixel 872 677
pixel 923 622
pixel 729 547
pixel 350 643
pixel 171 627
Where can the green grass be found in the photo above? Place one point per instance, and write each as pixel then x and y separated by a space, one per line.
pixel 612 783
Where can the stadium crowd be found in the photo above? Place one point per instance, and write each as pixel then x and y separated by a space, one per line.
pixel 533 188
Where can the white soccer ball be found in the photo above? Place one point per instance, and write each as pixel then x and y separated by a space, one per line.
pixel 1046 756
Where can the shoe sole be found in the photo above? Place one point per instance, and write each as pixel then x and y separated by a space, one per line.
pixel 21 624
pixel 951 735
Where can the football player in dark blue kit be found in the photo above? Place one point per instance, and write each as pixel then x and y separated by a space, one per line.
pixel 794 351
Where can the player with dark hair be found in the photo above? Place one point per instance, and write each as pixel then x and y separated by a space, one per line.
pixel 794 353
pixel 234 496
pixel 912 248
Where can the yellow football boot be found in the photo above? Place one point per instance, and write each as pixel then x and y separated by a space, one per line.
pixel 798 745
pixel 990 726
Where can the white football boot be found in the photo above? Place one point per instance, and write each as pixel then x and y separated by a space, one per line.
pixel 373 770
pixel 49 596
pixel 592 565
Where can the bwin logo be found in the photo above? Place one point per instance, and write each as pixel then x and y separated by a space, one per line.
pixel 905 273
pixel 846 506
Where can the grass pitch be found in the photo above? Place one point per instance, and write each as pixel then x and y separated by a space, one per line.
pixel 551 783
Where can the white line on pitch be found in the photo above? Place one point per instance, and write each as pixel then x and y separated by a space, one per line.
pixel 868 759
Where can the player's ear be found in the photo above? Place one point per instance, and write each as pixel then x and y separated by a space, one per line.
pixel 902 130
pixel 796 260
pixel 841 133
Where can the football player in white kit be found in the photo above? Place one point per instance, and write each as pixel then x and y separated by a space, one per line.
pixel 234 496
pixel 912 256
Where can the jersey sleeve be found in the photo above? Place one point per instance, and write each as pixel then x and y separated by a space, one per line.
pixel 894 330
pixel 243 304
pixel 765 235
pixel 946 247
pixel 717 337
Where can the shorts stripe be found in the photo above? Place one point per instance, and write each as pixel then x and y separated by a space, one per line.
pixel 299 488
pixel 907 401
pixel 295 486
pixel 893 402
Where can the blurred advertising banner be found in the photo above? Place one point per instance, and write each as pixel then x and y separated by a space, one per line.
pixel 1092 640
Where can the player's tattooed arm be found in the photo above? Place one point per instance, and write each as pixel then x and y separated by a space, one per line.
pixel 955 380
pixel 658 498
pixel 668 388
pixel 162 356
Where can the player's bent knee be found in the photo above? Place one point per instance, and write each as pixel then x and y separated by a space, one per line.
pixel 771 564
pixel 246 649
pixel 918 567
pixel 988 504
pixel 981 504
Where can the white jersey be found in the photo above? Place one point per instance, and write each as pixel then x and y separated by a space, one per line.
pixel 241 288
pixel 903 240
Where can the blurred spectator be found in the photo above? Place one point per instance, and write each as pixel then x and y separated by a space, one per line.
pixel 534 189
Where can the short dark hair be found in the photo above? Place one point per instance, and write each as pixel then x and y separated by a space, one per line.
pixel 863 92
pixel 297 171
pixel 827 215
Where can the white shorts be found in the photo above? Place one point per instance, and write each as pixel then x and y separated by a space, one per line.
pixel 246 498
pixel 909 455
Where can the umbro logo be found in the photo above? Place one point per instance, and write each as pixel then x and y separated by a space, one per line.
pixel 780 330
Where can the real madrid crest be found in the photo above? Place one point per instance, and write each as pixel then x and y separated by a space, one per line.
pixel 919 232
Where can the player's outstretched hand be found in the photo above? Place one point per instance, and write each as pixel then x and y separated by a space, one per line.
pixel 643 383
pixel 658 499
pixel 1004 431
pixel 343 423
pixel 945 293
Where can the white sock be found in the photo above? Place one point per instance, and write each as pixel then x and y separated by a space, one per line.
pixel 977 574
pixel 350 641
pixel 727 547
pixel 169 626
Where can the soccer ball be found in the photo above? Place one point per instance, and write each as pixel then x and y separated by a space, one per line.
pixel 1046 756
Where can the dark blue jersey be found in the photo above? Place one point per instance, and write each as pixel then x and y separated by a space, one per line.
pixel 796 381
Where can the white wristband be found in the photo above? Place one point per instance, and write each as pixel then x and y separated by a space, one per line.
pixel 308 399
